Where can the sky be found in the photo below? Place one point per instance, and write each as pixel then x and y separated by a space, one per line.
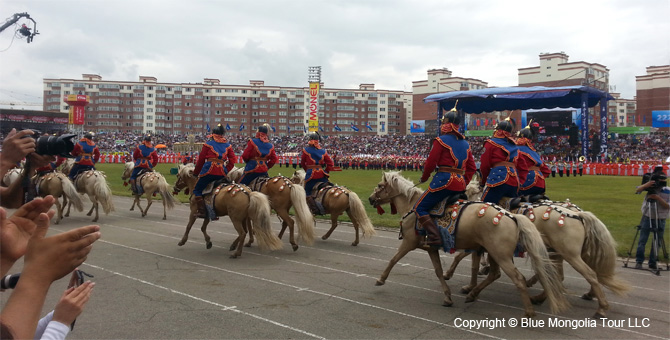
pixel 389 43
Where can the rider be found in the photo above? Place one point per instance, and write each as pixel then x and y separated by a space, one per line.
pixel 211 165
pixel 259 156
pixel 86 155
pixel 317 164
pixel 537 169
pixel 50 167
pixel 502 168
pixel 452 157
pixel 146 158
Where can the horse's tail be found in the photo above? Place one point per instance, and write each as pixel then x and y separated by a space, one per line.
pixel 304 217
pixel 358 213
pixel 103 193
pixel 531 240
pixel 166 192
pixel 599 253
pixel 70 192
pixel 259 212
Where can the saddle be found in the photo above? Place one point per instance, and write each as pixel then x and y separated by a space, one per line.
pixel 258 183
pixel 87 174
pixel 214 185
pixel 214 189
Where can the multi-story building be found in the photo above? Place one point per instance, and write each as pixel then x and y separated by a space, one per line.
pixel 555 70
pixel 439 81
pixel 148 105
pixel 653 92
pixel 621 112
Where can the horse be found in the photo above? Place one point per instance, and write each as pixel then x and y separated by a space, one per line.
pixel 57 184
pixel 281 201
pixel 12 176
pixel 67 166
pixel 337 200
pixel 94 184
pixel 237 202
pixel 152 183
pixel 480 226
pixel 582 240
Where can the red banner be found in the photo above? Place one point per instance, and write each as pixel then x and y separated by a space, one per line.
pixel 16 117
pixel 77 114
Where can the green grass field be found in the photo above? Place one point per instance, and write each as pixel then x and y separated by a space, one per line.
pixel 611 198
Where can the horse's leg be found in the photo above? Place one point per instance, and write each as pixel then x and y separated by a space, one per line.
pixel 149 202
pixel 96 205
pixel 437 265
pixel 508 267
pixel 596 290
pixel 68 209
pixel 241 235
pixel 286 219
pixel 476 257
pixel 284 225
pixel 249 229
pixel 457 259
pixel 408 244
pixel 333 225
pixel 164 207
pixel 208 240
pixel 191 220
pixel 557 260
pixel 355 222
pixel 59 215
pixel 63 206
pixel 136 200
pixel 494 274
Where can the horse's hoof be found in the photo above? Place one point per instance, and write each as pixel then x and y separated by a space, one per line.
pixel 379 283
pixel 294 246
pixel 469 299
pixel 132 209
pixel 530 314
pixel 181 243
pixel 89 214
pixel 324 237
pixel 232 248
pixel 465 290
pixel 536 300
pixel 233 256
pixel 447 276
pixel 599 315
pixel 248 245
pixel 164 218
pixel 66 215
pixel 95 220
pixel 447 303
pixel 354 244
pixel 587 297
pixel 209 245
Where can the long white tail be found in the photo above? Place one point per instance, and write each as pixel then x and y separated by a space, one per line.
pixel 304 217
pixel 357 210
pixel 600 253
pixel 70 192
pixel 166 192
pixel 259 212
pixel 103 193
pixel 532 242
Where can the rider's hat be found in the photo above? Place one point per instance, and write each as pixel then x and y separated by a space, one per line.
pixel 219 130
pixel 147 137
pixel 452 116
pixel 89 135
pixel 265 128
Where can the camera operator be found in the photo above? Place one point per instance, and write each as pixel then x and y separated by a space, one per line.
pixel 15 147
pixel 655 210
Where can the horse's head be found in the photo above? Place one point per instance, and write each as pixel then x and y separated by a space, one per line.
pixel 473 190
pixel 235 174
pixel 392 185
pixel 185 178
pixel 298 177
pixel 127 170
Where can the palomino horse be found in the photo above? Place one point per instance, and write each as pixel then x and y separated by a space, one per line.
pixel 479 226
pixel 56 184
pixel 240 204
pixel 281 201
pixel 152 182
pixel 94 184
pixel 11 176
pixel 582 240
pixel 338 200
pixel 67 166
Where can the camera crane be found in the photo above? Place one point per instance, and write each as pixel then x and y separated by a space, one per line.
pixel 24 30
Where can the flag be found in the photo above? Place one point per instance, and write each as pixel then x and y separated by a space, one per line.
pixel 208 128
pixel 383 126
pixel 478 122
pixel 644 119
pixel 288 127
pixel 486 122
pixel 242 127
pixel 227 126
pixel 337 128
pixel 304 128
pixel 320 128
pixel 353 127
pixel 273 128
pixel 367 125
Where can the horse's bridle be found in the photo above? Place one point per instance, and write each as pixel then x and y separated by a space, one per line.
pixel 375 193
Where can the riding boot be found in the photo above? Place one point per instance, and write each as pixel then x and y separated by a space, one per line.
pixel 432 234
pixel 133 187
pixel 202 210
pixel 315 207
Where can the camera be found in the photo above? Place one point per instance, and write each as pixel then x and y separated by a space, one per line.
pixel 53 145
pixel 659 178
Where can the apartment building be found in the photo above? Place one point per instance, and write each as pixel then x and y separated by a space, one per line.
pixel 150 106
pixel 556 70
pixel 439 81
pixel 652 92
pixel 622 112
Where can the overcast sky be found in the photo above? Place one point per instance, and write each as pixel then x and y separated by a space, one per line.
pixel 386 42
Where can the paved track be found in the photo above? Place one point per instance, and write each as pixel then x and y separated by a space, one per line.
pixel 147 287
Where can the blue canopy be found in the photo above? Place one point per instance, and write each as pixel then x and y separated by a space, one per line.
pixel 518 98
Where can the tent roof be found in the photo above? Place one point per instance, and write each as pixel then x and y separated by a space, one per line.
pixel 518 98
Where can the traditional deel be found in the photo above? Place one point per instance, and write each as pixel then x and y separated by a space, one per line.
pixel 451 180
pixel 507 152
pixel 215 153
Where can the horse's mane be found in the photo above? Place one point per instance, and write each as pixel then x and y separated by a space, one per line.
pixel 300 173
pixel 184 169
pixel 472 190
pixel 405 186
pixel 128 165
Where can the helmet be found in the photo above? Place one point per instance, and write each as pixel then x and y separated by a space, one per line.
pixel 88 135
pixel 451 117
pixel 526 133
pixel 219 130
pixel 314 136
pixel 263 128
pixel 505 125
pixel 147 138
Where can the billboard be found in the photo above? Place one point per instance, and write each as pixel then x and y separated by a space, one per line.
pixel 660 119
pixel 418 126
pixel 313 107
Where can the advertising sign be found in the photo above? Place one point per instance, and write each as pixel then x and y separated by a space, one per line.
pixel 660 119
pixel 313 107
